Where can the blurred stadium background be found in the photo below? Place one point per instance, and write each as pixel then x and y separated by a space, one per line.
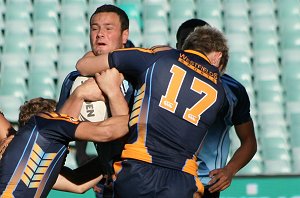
pixel 41 40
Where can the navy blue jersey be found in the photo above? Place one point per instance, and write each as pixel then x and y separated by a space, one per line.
pixel 178 95
pixel 217 142
pixel 34 158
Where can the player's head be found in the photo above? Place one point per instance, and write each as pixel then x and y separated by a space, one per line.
pixel 210 41
pixel 109 29
pixel 35 106
pixel 186 28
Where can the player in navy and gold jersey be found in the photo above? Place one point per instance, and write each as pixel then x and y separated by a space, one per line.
pixel 33 159
pixel 78 180
pixel 214 171
pixel 178 95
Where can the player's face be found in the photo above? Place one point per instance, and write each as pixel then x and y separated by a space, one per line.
pixel 106 34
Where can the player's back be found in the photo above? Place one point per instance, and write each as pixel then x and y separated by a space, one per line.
pixel 32 161
pixel 178 98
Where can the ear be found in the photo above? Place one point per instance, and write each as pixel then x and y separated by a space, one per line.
pixel 125 35
pixel 218 55
pixel 217 58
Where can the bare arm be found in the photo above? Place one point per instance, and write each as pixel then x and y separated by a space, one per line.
pixel 63 184
pixel 89 91
pixel 90 64
pixel 109 82
pixel 107 130
pixel 82 178
pixel 239 159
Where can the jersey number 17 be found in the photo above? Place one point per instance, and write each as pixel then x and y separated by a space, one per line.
pixel 193 114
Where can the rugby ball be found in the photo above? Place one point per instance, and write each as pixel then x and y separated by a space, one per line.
pixel 90 111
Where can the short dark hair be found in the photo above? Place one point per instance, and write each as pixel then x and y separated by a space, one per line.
pixel 112 8
pixel 186 28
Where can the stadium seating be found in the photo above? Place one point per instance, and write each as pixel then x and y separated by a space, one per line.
pixel 155 32
pixel 2 8
pixel 73 44
pixel 94 4
pixel 42 63
pixel 74 22
pixel 210 11
pixel 239 42
pixel 10 106
pixel 180 11
pixel 296 162
pixel 133 9
pixel 43 44
pixel 44 10
pixel 15 89
pixel 46 28
pixel 41 86
pixel 254 167
pixel 19 11
pixel 277 167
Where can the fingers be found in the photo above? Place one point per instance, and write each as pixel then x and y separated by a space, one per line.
pixel 109 81
pixel 220 180
pixel 219 186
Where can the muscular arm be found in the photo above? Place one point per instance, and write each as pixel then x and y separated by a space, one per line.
pixel 89 90
pixel 90 64
pixel 63 184
pixel 115 127
pixel 248 147
pixel 107 130
pixel 82 178
pixel 239 159
pixel 109 82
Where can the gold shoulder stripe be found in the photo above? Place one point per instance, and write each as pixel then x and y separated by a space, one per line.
pixel 135 48
pixel 199 54
pixel 57 116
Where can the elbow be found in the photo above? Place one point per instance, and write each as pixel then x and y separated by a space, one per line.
pixel 253 147
pixel 110 133
pixel 81 190
pixel 80 67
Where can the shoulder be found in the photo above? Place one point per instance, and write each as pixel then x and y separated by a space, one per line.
pixel 59 117
pixel 234 85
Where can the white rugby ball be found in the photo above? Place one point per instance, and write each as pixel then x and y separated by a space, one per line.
pixel 90 111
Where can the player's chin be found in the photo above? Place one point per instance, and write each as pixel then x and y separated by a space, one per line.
pixel 102 50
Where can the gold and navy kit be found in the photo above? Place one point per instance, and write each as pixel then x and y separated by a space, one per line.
pixel 34 158
pixel 178 95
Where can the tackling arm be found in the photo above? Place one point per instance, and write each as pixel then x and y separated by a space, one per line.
pixel 90 64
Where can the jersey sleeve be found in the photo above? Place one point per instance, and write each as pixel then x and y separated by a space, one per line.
pixel 132 61
pixel 58 127
pixel 241 112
